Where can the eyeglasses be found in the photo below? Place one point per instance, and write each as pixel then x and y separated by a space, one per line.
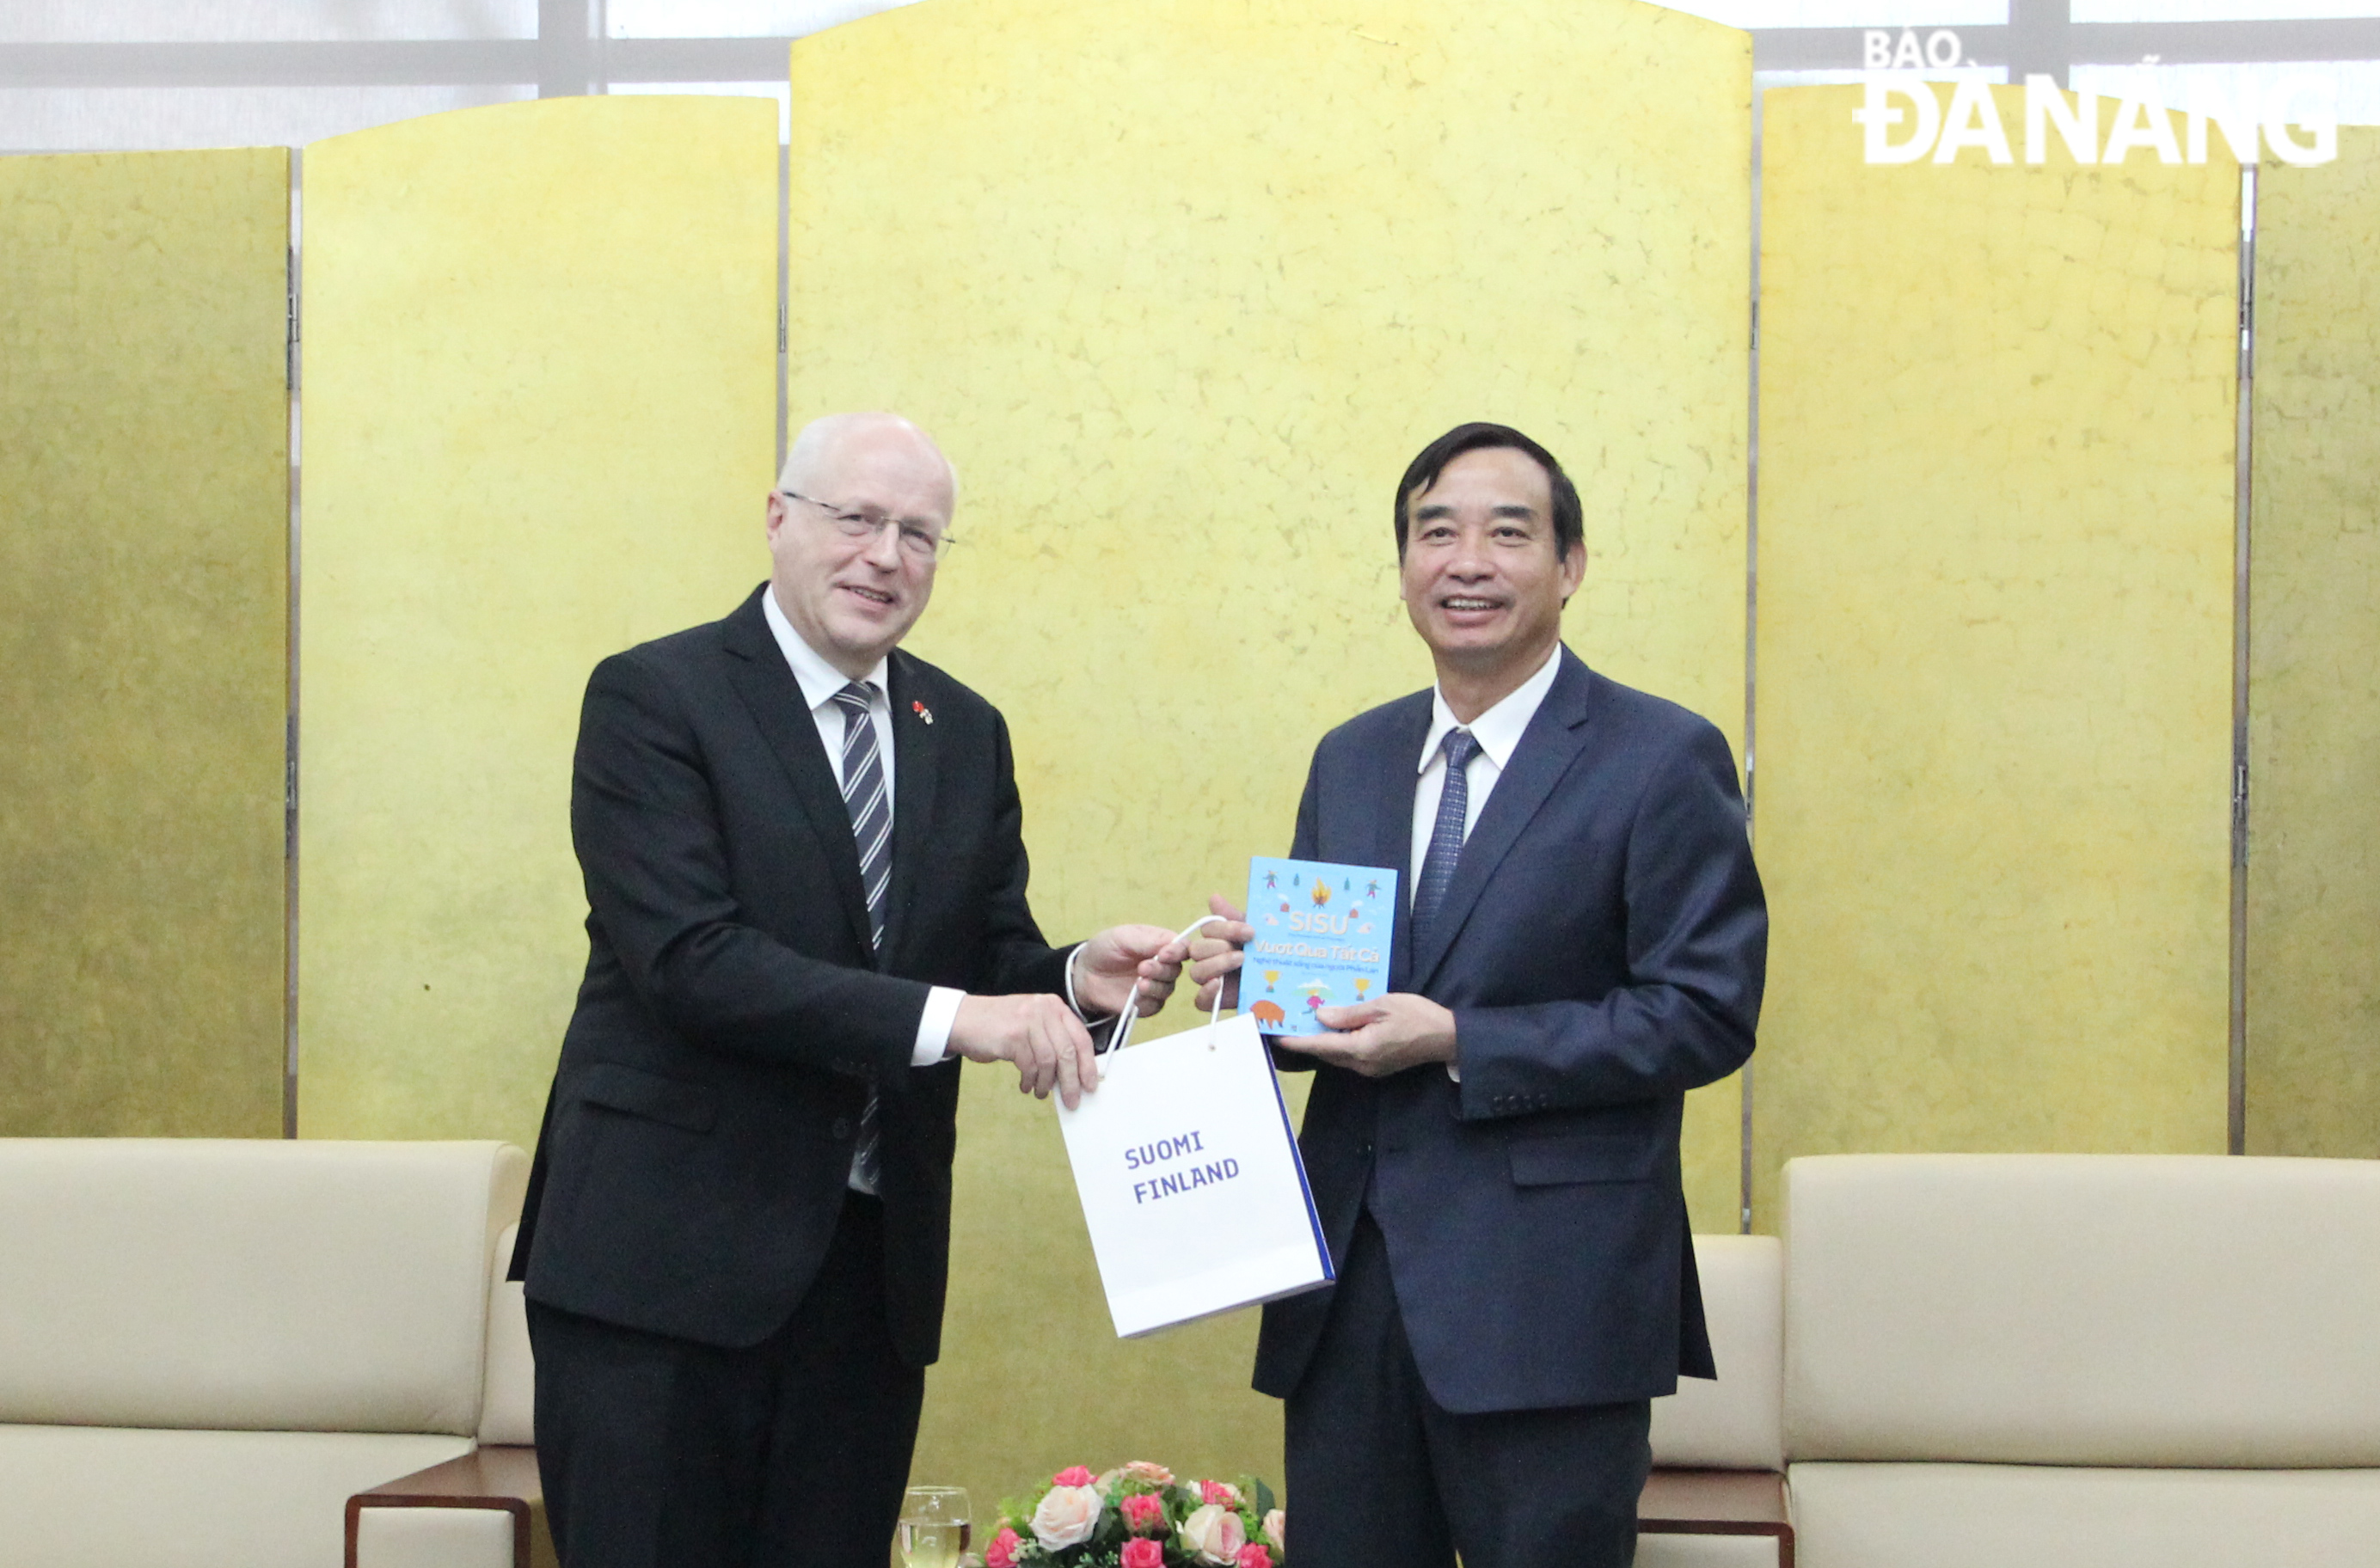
pixel 918 544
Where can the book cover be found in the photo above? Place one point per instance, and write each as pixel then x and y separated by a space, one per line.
pixel 1322 941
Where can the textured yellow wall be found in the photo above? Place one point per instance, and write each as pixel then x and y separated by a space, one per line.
pixel 144 515
pixel 539 423
pixel 1994 646
pixel 2314 868
pixel 1182 288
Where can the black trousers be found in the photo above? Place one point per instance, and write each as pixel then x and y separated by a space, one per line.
pixel 658 1453
pixel 1380 1476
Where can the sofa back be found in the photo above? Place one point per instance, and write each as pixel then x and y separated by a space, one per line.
pixel 508 1405
pixel 248 1284
pixel 2083 1309
pixel 1735 1423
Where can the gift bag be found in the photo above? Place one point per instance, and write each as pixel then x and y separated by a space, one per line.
pixel 1190 1180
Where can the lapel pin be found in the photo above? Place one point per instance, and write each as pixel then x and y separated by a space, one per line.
pixel 922 711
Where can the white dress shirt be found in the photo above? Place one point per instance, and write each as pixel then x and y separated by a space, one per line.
pixel 1497 731
pixel 820 681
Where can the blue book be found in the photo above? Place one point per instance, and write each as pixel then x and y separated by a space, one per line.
pixel 1322 941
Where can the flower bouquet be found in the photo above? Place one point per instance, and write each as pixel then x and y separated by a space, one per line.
pixel 1138 1516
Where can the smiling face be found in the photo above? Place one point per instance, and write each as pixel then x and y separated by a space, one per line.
pixel 852 599
pixel 1482 578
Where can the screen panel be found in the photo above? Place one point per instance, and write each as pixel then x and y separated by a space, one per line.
pixel 1995 645
pixel 2313 869
pixel 1182 288
pixel 144 516
pixel 540 420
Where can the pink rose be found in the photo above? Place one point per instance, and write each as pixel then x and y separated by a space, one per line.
pixel 1255 1556
pixel 1066 1518
pixel 1142 1470
pixel 1072 1475
pixel 1142 1553
pixel 1001 1552
pixel 1214 1534
pixel 1218 1491
pixel 1143 1515
pixel 1276 1527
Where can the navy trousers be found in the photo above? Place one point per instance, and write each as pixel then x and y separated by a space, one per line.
pixel 1380 1476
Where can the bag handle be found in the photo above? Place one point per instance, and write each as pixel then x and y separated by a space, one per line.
pixel 1120 1036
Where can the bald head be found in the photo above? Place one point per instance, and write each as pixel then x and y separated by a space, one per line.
pixel 830 446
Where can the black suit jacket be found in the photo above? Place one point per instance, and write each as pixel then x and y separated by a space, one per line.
pixel 699 1131
pixel 1602 947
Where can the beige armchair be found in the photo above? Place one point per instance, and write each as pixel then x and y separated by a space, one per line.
pixel 207 1346
pixel 1716 1497
pixel 2083 1361
pixel 487 1508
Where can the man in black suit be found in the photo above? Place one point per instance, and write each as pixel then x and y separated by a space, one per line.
pixel 1493 1143
pixel 805 883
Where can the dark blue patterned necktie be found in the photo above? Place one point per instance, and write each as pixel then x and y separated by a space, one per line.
pixel 871 826
pixel 1445 835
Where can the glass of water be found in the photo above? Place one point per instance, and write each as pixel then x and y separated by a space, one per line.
pixel 933 1526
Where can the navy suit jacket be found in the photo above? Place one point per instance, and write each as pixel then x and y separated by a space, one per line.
pixel 1602 947
pixel 700 1127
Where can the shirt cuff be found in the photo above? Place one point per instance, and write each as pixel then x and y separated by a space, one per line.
pixel 934 1026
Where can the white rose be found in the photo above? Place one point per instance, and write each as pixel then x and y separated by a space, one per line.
pixel 1066 1518
pixel 1275 1523
pixel 1213 1534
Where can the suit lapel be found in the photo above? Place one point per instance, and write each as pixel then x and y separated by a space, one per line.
pixel 1557 733
pixel 1391 810
pixel 917 763
pixel 765 683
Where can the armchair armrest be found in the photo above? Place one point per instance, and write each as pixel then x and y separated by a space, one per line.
pixel 1717 1503
pixel 488 1504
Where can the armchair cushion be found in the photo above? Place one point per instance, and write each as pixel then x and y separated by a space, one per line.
pixel 105 1497
pixel 2042 1516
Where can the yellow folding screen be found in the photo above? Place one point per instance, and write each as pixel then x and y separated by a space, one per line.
pixel 1182 288
pixel 144 515
pixel 1994 645
pixel 2313 865
pixel 539 418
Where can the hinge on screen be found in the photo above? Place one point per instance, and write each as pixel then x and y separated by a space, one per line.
pixel 2239 813
pixel 289 347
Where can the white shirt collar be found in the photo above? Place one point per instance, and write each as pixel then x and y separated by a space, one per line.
pixel 819 680
pixel 1497 731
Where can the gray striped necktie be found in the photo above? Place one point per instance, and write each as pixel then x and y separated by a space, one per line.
pixel 871 825
pixel 1445 835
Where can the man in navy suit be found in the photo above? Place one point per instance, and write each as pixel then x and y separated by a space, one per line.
pixel 1493 1143
pixel 806 885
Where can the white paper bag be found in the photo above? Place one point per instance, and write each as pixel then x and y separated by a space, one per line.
pixel 1191 1182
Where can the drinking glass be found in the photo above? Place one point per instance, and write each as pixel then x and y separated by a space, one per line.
pixel 933 1526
